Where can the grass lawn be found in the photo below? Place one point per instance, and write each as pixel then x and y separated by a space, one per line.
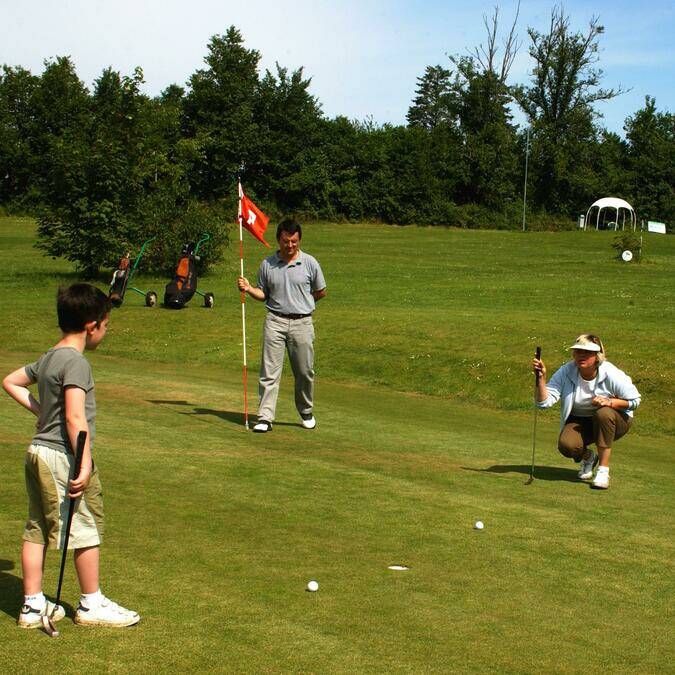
pixel 425 426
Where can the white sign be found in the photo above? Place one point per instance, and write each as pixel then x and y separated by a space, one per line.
pixel 627 256
pixel 654 226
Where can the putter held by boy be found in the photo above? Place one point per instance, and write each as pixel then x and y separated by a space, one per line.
pixel 66 407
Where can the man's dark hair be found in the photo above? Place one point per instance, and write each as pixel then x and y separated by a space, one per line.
pixel 290 226
pixel 79 304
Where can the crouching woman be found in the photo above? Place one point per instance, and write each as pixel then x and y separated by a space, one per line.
pixel 597 404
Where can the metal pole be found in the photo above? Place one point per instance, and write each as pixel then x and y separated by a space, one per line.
pixel 527 154
pixel 243 312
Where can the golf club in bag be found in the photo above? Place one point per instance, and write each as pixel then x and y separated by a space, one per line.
pixel 537 375
pixel 118 285
pixel 183 286
pixel 122 276
pixel 47 622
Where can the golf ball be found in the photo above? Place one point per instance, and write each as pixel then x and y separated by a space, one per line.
pixel 478 525
pixel 313 586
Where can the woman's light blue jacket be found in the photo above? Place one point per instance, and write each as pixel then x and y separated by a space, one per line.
pixel 611 382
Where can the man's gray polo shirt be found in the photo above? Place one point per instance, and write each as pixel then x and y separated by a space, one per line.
pixel 288 287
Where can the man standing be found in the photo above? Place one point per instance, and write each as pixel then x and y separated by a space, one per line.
pixel 289 283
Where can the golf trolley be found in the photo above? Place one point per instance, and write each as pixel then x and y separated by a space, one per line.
pixel 123 276
pixel 183 286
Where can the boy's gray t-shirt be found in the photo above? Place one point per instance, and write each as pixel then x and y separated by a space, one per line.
pixel 288 287
pixel 53 371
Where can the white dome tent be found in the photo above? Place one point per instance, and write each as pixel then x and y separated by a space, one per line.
pixel 622 209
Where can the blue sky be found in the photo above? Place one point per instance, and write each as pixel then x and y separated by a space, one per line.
pixel 363 56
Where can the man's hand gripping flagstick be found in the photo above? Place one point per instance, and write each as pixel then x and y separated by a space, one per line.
pixel 255 221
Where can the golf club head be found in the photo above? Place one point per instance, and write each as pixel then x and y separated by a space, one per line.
pixel 49 626
pixel 530 480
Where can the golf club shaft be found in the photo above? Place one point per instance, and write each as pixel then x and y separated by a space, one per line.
pixel 537 375
pixel 81 440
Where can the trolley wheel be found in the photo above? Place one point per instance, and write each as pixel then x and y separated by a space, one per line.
pixel 209 300
pixel 151 298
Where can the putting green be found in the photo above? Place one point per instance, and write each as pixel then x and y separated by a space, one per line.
pixel 213 532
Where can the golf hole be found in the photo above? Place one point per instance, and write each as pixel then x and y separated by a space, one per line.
pixel 398 568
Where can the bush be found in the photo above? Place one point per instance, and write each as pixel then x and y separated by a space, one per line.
pixel 628 241
pixel 189 227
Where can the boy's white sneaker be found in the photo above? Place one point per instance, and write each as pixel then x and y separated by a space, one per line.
pixel 587 466
pixel 29 617
pixel 108 613
pixel 601 480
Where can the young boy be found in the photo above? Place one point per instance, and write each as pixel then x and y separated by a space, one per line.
pixel 66 407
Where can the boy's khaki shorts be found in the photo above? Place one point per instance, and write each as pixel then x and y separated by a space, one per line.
pixel 48 472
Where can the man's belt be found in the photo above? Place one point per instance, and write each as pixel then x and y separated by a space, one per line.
pixel 289 316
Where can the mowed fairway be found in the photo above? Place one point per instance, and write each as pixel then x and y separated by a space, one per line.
pixel 424 415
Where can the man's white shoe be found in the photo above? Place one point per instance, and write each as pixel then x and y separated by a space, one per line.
pixel 601 480
pixel 308 421
pixel 262 427
pixel 30 617
pixel 587 466
pixel 108 613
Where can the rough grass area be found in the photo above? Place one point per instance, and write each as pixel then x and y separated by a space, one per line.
pixel 424 427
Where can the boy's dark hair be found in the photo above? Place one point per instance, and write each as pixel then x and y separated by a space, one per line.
pixel 79 304
pixel 290 226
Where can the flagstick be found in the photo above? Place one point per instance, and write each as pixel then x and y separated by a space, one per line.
pixel 243 313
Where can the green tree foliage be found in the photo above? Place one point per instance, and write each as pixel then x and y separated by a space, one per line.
pixel 93 185
pixel 119 180
pixel 609 167
pixel 488 137
pixel 219 114
pixel 436 100
pixel 342 145
pixel 651 137
pixel 60 107
pixel 17 178
pixel 112 167
pixel 559 104
pixel 290 169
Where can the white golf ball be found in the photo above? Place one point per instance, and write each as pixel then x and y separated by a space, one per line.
pixel 478 525
pixel 313 586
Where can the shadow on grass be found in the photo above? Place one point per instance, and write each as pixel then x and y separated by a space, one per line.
pixel 11 589
pixel 236 417
pixel 540 472
pixel 169 402
pixel 11 592
pixel 232 416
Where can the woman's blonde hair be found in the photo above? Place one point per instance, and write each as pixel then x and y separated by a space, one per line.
pixel 588 338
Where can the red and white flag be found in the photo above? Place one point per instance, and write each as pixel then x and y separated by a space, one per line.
pixel 252 218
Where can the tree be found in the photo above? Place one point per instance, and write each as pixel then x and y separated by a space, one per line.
pixel 219 114
pixel 489 138
pixel 609 168
pixel 92 182
pixel 651 159
pixel 560 107
pixel 60 117
pixel 436 103
pixel 123 180
pixel 17 87
pixel 291 168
